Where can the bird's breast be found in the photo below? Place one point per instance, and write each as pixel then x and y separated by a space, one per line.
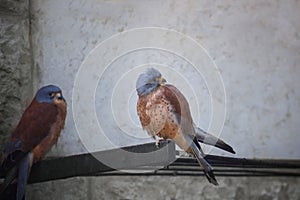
pixel 163 121
pixel 45 145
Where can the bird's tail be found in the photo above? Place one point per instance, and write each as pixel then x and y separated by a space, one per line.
pixel 208 171
pixel 10 176
pixel 22 177
pixel 20 171
pixel 209 139
pixel 1 172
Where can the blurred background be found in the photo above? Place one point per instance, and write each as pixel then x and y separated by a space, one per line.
pixel 237 62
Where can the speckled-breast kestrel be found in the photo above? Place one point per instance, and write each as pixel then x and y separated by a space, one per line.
pixel 37 131
pixel 165 112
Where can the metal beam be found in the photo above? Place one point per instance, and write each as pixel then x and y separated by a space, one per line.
pixel 148 159
pixel 130 157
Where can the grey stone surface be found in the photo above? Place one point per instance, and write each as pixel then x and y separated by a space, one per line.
pixel 16 78
pixel 74 188
pixel 165 187
pixel 14 7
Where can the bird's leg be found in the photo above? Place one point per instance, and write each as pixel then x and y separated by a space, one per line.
pixel 157 141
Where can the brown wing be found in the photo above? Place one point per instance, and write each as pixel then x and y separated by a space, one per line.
pixel 33 127
pixel 187 135
pixel 181 108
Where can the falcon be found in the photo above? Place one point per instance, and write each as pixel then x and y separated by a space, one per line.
pixel 37 131
pixel 164 112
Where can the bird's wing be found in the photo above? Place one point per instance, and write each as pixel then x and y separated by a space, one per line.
pixel 181 108
pixel 33 127
pixel 206 138
pixel 179 101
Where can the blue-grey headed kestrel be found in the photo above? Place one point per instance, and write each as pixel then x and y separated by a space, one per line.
pixel 165 112
pixel 37 131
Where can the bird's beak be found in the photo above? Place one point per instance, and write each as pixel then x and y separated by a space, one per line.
pixel 59 96
pixel 162 81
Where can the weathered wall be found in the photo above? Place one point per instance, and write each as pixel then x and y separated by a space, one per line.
pixel 255 45
pixel 169 188
pixel 16 71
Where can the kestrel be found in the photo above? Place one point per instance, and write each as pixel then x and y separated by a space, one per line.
pixel 37 131
pixel 165 112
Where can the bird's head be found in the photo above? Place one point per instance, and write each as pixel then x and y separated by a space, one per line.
pixel 49 94
pixel 149 81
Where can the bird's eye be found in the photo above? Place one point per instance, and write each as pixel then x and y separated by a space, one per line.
pixel 51 94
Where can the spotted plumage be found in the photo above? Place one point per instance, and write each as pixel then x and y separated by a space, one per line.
pixel 164 112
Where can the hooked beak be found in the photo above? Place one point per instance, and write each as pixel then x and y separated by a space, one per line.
pixel 59 96
pixel 162 81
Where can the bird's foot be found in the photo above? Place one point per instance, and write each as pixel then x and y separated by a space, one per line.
pixel 158 141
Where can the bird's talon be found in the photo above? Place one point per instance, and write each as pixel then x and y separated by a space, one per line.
pixel 157 142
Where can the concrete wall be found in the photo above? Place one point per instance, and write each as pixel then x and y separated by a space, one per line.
pixel 169 188
pixel 253 48
pixel 16 71
pixel 87 47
